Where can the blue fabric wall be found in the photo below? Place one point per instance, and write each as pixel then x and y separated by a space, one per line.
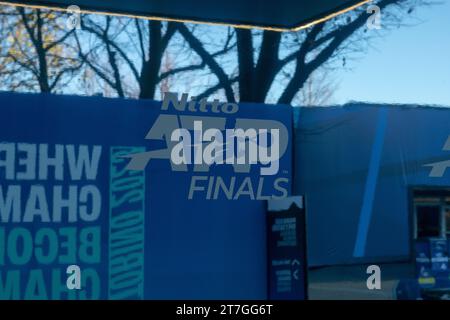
pixel 355 164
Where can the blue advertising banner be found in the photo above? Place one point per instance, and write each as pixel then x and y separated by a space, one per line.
pixel 431 260
pixel 423 259
pixel 439 257
pixel 135 199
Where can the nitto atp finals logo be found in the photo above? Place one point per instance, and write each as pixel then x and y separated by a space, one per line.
pixel 197 138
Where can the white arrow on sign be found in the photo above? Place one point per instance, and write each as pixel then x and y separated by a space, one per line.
pixel 295 274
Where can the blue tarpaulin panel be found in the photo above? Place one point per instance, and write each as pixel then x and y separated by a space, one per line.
pixel 355 165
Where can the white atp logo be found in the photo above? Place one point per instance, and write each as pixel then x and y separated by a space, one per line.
pixel 438 169
pixel 374 20
pixel 74 20
pixel 374 280
pixel 74 278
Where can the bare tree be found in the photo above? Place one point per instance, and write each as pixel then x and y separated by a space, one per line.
pixel 134 51
pixel 318 89
pixel 275 66
pixel 125 57
pixel 35 53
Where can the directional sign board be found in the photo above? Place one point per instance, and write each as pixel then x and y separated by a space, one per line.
pixel 287 265
pixel 276 15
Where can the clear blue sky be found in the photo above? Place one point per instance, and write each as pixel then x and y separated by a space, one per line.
pixel 409 65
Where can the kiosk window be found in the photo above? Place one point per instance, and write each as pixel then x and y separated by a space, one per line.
pixel 428 221
pixel 447 220
pixel 431 212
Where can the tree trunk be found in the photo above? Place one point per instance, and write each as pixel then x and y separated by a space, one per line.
pixel 150 70
pixel 42 56
pixel 245 63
